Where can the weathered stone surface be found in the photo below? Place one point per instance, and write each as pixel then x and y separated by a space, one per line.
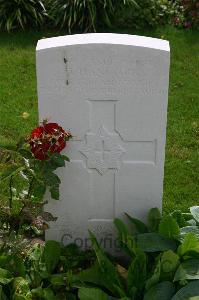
pixel 111 91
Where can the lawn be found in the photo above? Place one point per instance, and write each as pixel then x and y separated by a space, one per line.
pixel 18 94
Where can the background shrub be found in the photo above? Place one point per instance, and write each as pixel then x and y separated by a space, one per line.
pixel 191 13
pixel 21 13
pixel 84 15
pixel 148 13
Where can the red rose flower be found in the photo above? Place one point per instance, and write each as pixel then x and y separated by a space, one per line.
pixel 49 137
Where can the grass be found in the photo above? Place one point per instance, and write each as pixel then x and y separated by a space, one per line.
pixel 18 95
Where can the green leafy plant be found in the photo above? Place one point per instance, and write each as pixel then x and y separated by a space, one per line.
pixel 148 13
pixel 21 14
pixel 164 262
pixel 29 171
pixel 50 270
pixel 84 15
pixel 186 14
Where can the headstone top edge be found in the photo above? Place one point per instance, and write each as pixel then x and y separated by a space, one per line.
pixel 103 38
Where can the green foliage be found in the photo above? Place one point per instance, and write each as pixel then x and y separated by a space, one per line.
pixel 27 180
pixel 154 242
pixel 91 15
pixel 51 271
pixel 187 14
pixel 148 13
pixel 92 294
pixel 21 13
pixel 169 227
pixel 51 255
pixel 189 292
pixel 84 15
pixel 160 263
pixel 195 213
pixel 154 218
pixel 164 291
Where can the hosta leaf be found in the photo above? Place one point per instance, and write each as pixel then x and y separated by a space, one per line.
pixel 154 218
pixel 169 227
pixel 187 229
pixel 190 243
pixel 195 212
pixel 162 291
pixel 108 269
pixel 137 271
pixel 51 255
pixel 139 225
pixel 92 294
pixel 169 263
pixel 189 292
pixel 188 270
pixel 126 240
pixel 154 279
pixel 122 230
pixel 94 275
pixel 154 242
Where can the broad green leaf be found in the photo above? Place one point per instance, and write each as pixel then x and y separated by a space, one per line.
pixel 187 229
pixel 154 218
pixel 126 240
pixel 154 279
pixel 92 294
pixel 5 276
pixel 139 225
pixel 137 271
pixel 190 243
pixel 108 270
pixel 188 270
pixel 169 227
pixel 191 222
pixel 195 212
pixel 94 275
pixel 162 291
pixel 154 242
pixel 169 263
pixel 122 230
pixel 189 292
pixel 51 255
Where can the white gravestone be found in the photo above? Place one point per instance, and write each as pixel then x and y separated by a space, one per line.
pixel 111 91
